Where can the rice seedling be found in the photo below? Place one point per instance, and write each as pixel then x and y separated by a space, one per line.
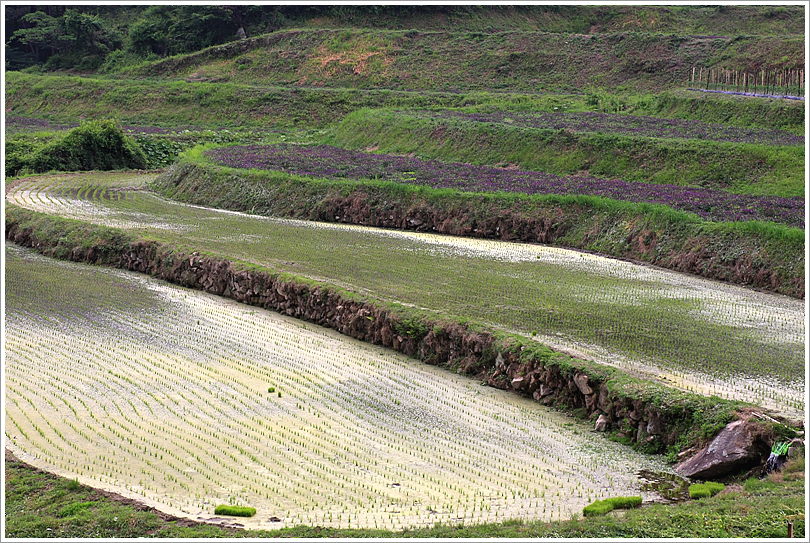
pixel 705 490
pixel 602 507
pixel 351 455
pixel 689 333
pixel 235 510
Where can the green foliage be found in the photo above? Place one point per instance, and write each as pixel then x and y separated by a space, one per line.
pixel 95 145
pixel 73 508
pixel 235 510
pixel 412 327
pixel 170 30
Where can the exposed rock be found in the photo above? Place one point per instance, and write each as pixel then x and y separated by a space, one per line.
pixel 582 383
pixel 655 426
pixel 601 423
pixel 737 446
pixel 518 383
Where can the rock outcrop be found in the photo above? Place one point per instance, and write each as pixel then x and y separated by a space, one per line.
pixel 741 444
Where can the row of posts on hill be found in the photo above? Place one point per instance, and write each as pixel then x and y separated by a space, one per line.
pixel 773 82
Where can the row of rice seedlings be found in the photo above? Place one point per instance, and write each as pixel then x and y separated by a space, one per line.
pixel 360 437
pixel 637 316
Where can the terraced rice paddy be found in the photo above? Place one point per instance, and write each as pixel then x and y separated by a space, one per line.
pixel 163 394
pixel 624 125
pixel 688 332
pixel 325 161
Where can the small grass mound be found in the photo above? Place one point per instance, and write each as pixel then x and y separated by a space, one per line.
pixel 602 507
pixel 705 490
pixel 235 510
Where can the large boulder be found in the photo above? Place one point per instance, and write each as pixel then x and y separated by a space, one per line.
pixel 736 447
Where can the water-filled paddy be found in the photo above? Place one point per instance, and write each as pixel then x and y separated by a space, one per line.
pixel 162 394
pixel 689 332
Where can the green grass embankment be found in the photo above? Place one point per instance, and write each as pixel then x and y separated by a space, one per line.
pixel 464 61
pixel 737 167
pixel 63 98
pixel 757 254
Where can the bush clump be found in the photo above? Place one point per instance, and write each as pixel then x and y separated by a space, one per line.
pixel 705 490
pixel 235 510
pixel 95 145
pixel 602 507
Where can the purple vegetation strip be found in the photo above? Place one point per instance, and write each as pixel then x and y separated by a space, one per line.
pixel 751 94
pixel 328 162
pixel 625 125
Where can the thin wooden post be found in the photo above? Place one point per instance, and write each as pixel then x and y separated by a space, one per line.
pixel 790 528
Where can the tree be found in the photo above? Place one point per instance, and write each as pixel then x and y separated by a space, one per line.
pixel 41 30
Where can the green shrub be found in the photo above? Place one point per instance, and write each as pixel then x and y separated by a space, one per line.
pixel 271 390
pixel 96 145
pixel 235 510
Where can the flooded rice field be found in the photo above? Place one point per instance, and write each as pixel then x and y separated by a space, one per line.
pixel 688 332
pixel 185 401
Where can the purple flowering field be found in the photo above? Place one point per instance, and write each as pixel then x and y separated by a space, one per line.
pixel 625 125
pixel 329 162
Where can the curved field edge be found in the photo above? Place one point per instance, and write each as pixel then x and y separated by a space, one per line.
pixel 752 254
pixel 511 362
pixel 64 99
pixel 36 502
pixel 739 168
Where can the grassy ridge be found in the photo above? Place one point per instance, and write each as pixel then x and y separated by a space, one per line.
pixel 739 168
pixel 65 98
pixel 464 61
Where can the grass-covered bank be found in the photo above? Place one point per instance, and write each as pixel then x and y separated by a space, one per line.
pixel 464 61
pixel 748 253
pixel 746 168
pixel 40 505
pixel 504 360
pixel 61 98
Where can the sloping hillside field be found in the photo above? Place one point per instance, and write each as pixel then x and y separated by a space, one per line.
pixel 692 333
pixel 163 394
pixel 354 270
